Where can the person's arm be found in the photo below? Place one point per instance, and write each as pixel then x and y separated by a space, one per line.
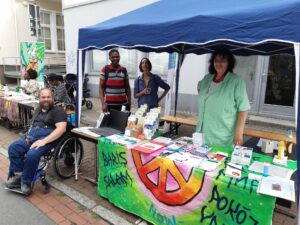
pixel 164 86
pixel 163 95
pixel 60 129
pixel 239 129
pixel 101 94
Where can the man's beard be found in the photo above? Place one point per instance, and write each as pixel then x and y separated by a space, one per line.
pixel 46 106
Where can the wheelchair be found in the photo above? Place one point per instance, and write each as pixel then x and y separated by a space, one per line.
pixel 63 157
pixel 68 150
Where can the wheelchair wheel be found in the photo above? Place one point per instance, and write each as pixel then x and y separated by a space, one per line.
pixel 64 156
pixel 89 104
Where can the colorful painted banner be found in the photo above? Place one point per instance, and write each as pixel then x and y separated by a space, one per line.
pixel 32 57
pixel 163 192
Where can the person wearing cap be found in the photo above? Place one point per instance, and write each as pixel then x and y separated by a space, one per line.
pixel 31 86
pixel 58 88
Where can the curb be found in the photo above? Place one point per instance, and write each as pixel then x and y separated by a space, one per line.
pixel 88 203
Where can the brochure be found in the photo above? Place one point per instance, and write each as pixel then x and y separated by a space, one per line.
pixel 274 171
pixel 241 155
pixel 233 170
pixel 277 187
pixel 149 147
pixel 186 158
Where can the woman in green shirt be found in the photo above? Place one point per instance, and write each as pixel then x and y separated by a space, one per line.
pixel 223 103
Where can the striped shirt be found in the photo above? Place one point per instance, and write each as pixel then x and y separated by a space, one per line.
pixel 60 93
pixel 115 84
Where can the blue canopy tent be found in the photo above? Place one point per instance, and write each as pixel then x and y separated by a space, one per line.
pixel 253 27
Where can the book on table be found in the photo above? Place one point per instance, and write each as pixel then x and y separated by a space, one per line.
pixel 149 147
pixel 233 170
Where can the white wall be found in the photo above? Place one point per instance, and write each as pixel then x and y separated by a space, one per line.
pixel 8 40
pixel 193 69
pixel 90 14
pixel 15 26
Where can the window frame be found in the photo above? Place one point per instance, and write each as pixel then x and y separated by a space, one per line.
pixel 53 31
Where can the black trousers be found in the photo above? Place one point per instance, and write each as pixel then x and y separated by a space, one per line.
pixel 118 107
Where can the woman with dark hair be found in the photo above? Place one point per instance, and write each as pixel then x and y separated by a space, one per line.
pixel 223 103
pixel 31 86
pixel 146 86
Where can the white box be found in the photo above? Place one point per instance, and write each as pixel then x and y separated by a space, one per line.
pixel 267 146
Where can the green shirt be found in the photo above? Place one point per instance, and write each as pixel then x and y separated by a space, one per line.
pixel 218 109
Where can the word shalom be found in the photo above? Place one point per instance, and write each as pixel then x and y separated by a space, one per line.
pixel 117 178
pixel 114 158
pixel 161 218
pixel 231 208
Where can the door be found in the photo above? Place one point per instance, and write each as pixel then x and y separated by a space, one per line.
pixel 278 86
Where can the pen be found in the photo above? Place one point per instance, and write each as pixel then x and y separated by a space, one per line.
pixel 235 167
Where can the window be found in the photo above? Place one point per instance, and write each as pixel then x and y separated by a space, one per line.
pixel 100 59
pixel 160 63
pixel 46 29
pixel 52 31
pixel 60 32
pixel 34 17
pixel 131 59
pixel 128 59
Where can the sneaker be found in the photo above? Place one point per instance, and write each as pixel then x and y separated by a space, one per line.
pixel 26 189
pixel 13 182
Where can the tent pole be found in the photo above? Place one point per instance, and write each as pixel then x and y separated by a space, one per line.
pixel 80 70
pixel 179 64
pixel 297 109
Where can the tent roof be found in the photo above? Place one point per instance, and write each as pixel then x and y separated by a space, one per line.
pixel 191 26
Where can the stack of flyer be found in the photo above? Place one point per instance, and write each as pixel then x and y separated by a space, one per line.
pixel 241 155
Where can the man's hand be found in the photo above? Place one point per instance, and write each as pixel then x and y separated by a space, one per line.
pixel 38 143
pixel 104 107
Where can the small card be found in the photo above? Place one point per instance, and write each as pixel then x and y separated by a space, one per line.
pixel 233 170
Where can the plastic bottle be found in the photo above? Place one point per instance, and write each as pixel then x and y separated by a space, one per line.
pixel 281 149
pixel 289 142
pixel 266 169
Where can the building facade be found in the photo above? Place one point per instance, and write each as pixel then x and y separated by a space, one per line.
pixel 31 21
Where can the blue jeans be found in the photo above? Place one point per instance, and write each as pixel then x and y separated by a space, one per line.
pixel 25 159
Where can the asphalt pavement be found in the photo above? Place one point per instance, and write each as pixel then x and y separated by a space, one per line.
pixel 15 209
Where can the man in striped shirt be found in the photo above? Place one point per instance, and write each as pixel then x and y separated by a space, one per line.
pixel 114 88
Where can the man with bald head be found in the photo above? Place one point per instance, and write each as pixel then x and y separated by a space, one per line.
pixel 49 123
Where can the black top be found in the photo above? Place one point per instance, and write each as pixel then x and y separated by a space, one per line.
pixel 49 118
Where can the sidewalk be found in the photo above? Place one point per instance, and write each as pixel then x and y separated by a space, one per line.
pixel 55 205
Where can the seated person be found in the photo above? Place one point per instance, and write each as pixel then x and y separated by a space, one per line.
pixel 31 87
pixel 48 125
pixel 58 88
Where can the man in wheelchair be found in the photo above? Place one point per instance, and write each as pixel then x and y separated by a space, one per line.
pixel 49 123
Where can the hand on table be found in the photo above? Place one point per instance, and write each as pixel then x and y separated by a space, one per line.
pixel 238 138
